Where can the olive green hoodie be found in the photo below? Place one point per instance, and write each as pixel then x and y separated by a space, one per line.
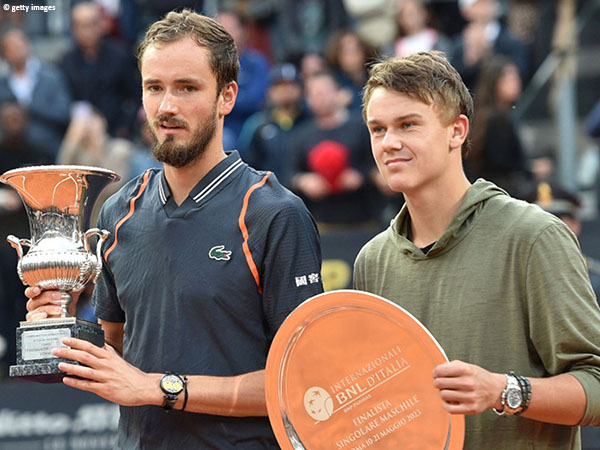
pixel 506 288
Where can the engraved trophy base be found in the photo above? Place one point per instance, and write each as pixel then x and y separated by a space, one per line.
pixel 35 341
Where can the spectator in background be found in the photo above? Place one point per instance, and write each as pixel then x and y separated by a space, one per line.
pixel 415 33
pixel 305 26
pixel 566 206
pixel 350 56
pixel 142 158
pixel 311 63
pixel 265 138
pixel 252 81
pixel 259 17
pixel 374 20
pixel 496 153
pixel 99 71
pixel 330 158
pixel 484 36
pixel 16 151
pixel 88 143
pixel 16 148
pixel 39 89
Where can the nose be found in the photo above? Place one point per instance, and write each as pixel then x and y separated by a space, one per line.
pixel 391 141
pixel 168 104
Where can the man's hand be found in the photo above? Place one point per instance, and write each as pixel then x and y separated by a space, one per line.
pixel 107 374
pixel 313 185
pixel 467 388
pixel 41 306
pixel 350 180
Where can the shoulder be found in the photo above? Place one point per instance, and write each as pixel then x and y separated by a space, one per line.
pixel 519 212
pixel 375 246
pixel 71 57
pixel 269 206
pixel 305 129
pixel 523 221
pixel 118 204
pixel 50 72
pixel 113 48
pixel 268 194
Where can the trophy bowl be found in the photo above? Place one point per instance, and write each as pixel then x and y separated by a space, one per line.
pixel 59 201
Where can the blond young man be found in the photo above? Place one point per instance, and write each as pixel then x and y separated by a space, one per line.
pixel 501 284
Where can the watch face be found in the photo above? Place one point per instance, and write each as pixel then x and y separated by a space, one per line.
pixel 513 398
pixel 172 384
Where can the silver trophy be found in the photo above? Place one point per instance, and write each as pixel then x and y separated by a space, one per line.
pixel 59 201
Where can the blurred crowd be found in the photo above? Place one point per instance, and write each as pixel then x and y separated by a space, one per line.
pixel 298 111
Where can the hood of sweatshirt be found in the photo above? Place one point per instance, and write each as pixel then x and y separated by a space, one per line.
pixel 461 224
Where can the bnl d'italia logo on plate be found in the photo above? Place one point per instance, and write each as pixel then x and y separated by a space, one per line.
pixel 318 403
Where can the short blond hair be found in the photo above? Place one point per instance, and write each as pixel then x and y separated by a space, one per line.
pixel 428 77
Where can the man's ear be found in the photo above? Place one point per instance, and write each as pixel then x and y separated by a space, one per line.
pixel 227 98
pixel 459 132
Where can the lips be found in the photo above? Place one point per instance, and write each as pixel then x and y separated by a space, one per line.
pixel 171 126
pixel 397 160
pixel 170 123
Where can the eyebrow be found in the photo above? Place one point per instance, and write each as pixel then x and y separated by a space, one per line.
pixel 179 81
pixel 398 119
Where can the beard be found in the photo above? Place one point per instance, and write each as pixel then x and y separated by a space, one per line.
pixel 180 155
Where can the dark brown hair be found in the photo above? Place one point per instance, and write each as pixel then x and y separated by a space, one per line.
pixel 206 32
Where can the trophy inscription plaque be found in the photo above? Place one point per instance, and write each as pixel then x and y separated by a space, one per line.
pixel 350 370
pixel 59 201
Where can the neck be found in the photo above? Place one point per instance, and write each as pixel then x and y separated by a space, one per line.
pixel 19 70
pixel 431 208
pixel 183 179
pixel 90 52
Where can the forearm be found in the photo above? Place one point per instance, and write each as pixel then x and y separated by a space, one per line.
pixel 470 389
pixel 559 399
pixel 239 396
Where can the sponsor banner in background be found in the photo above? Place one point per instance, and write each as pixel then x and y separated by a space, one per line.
pixel 339 251
pixel 54 417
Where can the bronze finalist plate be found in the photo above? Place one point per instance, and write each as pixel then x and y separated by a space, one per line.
pixel 351 370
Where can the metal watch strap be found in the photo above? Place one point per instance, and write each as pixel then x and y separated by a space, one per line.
pixel 512 382
pixel 525 391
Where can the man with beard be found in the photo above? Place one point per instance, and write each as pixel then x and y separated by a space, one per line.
pixel 197 274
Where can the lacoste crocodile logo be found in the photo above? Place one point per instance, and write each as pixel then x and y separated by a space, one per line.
pixel 219 253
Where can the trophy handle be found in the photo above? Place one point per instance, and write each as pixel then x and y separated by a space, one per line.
pixel 102 236
pixel 17 244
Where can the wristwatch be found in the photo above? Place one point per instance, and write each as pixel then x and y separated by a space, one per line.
pixel 172 385
pixel 512 397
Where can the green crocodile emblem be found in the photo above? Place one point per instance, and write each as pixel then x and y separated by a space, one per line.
pixel 219 253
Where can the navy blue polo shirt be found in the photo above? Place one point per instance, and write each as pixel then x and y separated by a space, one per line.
pixel 202 288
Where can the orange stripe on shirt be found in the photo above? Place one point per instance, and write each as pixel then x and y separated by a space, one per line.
pixel 129 214
pixel 242 224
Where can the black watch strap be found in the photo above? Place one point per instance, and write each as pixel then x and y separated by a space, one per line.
pixel 169 401
pixel 172 385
